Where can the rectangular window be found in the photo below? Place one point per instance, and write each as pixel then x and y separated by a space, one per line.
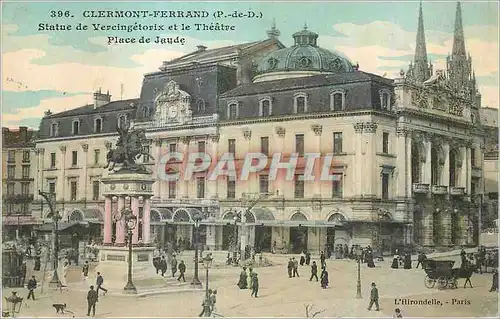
pixel 25 189
pixel 74 158
pixel 52 160
pixel 200 187
pixel 146 150
pixel 201 146
pixel 26 171
pixel 385 186
pixel 337 185
pixel 10 189
pixel 52 187
pixel 11 172
pixel 264 183
pixel 385 142
pixel 172 186
pixel 172 148
pixel 300 102
pixel 11 156
pixel 266 108
pixel 337 102
pixel 97 154
pixel 299 186
pixel 299 144
pixel 231 146
pixel 337 142
pixel 231 187
pixel 95 190
pixel 25 208
pixel 233 111
pixel 26 156
pixel 264 145
pixel 72 187
pixel 473 157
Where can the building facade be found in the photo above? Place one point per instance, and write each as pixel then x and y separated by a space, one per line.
pixel 17 181
pixel 406 152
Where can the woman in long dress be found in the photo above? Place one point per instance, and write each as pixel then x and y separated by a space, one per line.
pixel 250 278
pixel 324 278
pixel 242 283
pixel 395 261
pixel 369 261
pixel 407 261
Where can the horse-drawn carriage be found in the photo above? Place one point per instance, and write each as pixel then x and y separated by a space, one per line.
pixel 442 272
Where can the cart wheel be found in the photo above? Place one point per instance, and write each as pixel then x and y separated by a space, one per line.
pixel 454 283
pixel 429 283
pixel 442 282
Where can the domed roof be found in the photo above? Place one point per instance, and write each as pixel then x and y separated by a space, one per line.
pixel 304 55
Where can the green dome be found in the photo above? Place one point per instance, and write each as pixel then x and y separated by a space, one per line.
pixel 304 55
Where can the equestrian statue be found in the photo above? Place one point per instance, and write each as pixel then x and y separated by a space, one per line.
pixel 129 148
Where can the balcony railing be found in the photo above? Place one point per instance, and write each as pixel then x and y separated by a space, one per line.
pixel 18 198
pixel 419 188
pixel 439 189
pixel 457 191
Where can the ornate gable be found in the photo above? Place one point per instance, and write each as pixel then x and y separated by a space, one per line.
pixel 172 105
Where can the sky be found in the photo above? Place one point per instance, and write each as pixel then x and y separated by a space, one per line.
pixel 59 70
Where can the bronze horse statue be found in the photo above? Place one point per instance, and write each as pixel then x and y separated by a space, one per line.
pixel 128 149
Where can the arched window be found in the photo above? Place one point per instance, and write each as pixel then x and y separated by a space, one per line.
pixel 232 110
pixel 415 163
pixel 200 106
pixel 146 112
pixel 455 164
pixel 435 169
pixel 76 127
pixel 54 129
pixel 98 125
pixel 300 103
pixel 385 99
pixel 337 100
pixel 265 107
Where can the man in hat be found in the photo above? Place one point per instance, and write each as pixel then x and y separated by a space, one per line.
pixel 92 298
pixel 314 271
pixel 23 271
pixel 494 284
pixel 255 285
pixel 374 297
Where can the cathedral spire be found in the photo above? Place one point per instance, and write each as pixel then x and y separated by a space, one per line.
pixel 421 71
pixel 458 34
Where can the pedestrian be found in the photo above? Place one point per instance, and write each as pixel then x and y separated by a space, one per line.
pixel 308 258
pixel 206 308
pixel 92 298
pixel 64 282
pixel 285 247
pixel 420 259
pixel 314 271
pixel 173 265
pixel 374 297
pixel 274 247
pixel 395 261
pixel 85 271
pixel 31 287
pixel 346 251
pixel 302 260
pixel 182 270
pixel 341 251
pixel 494 283
pixel 295 267
pixel 255 285
pixel 407 261
pixel 213 299
pixel 242 283
pixel 250 278
pixel 290 268
pixel 163 266
pixel 324 278
pixel 397 313
pixel 99 281
pixel 322 259
pixel 22 272
pixel 369 259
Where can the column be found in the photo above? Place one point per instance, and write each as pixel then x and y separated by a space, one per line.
pixel 157 186
pixel 210 238
pixel 428 227
pixel 463 168
pixel 135 210
pixel 213 186
pixel 279 146
pixel 61 182
pixel 468 171
pixel 243 232
pixel 445 175
pixel 85 182
pixel 446 222
pixel 408 175
pixel 36 174
pixel 184 184
pixel 318 163
pixel 372 172
pixel 401 159
pixel 146 221
pixel 108 222
pixel 120 224
pixel 427 171
pixel 358 160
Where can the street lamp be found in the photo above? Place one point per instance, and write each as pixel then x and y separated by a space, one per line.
pixel 235 241
pixel 358 253
pixel 130 222
pixel 207 262
pixel 14 303
pixel 196 283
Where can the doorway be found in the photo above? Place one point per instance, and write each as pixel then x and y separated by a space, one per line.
pixel 263 236
pixel 298 239
pixel 228 237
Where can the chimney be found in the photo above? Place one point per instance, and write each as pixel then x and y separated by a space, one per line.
pixel 201 48
pixel 23 133
pixel 101 99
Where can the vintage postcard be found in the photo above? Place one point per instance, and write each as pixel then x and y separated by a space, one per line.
pixel 250 159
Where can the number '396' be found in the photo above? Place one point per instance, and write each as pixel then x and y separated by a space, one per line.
pixel 60 14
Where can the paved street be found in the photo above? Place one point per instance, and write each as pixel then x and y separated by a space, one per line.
pixel 284 297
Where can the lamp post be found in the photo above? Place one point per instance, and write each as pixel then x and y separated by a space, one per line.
pixel 358 258
pixel 14 303
pixel 56 217
pixel 196 283
pixel 207 262
pixel 380 241
pixel 131 222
